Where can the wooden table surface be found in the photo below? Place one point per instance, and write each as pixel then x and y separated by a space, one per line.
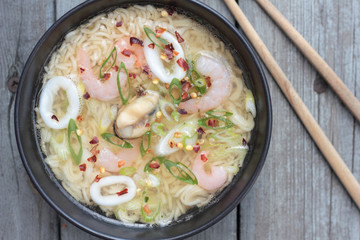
pixel 297 196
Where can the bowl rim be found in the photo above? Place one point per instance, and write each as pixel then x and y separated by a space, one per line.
pixel 215 219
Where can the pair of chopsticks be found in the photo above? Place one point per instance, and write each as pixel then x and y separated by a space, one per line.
pixel 332 156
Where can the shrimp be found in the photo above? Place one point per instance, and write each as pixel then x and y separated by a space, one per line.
pixel 136 57
pixel 217 92
pixel 104 90
pixel 110 161
pixel 209 181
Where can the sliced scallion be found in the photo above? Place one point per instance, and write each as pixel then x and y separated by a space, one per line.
pixel 175 115
pixel 177 83
pixel 101 75
pixel 124 100
pixel 107 137
pixel 144 150
pixel 150 32
pixel 213 115
pixel 158 128
pixel 127 171
pixel 73 128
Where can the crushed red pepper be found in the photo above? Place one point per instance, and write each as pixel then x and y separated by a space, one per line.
pixel 82 70
pixel 151 45
pixel 97 178
pixel 125 191
pixel 54 118
pixel 203 157
pixel 94 150
pixel 171 10
pixel 154 165
pixel 126 52
pixel 208 82
pixel 186 86
pixel 183 64
pixel 147 71
pixel 196 148
pixel 82 167
pixel 159 31
pixel 178 37
pixel 116 68
pixel 95 140
pixel 86 96
pixel 134 40
pixel 119 24
pixel 106 76
pixel 168 49
pixel 79 118
pixel 92 158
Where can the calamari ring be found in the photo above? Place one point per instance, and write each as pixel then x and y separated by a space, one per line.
pixel 156 65
pixel 47 99
pixel 114 199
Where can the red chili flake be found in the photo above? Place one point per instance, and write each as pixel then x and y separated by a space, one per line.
pixel 200 130
pixel 171 10
pixel 203 157
pixel 168 49
pixel 95 140
pixel 147 125
pixel 154 165
pixel 86 96
pixel 196 148
pixel 116 68
pixel 147 71
pixel 82 167
pixel 106 76
pixel 92 158
pixel 179 38
pixel 149 151
pixel 182 63
pixel 82 70
pixel 182 111
pixel 133 75
pixel 134 40
pixel 175 53
pixel 126 53
pixel 167 85
pixel 125 191
pixel 184 96
pixel 212 122
pixel 208 82
pixel 119 24
pixel 97 178
pixel 159 31
pixel 244 143
pixel 151 45
pixel 146 209
pixel 186 86
pixel 79 118
pixel 94 150
pixel 54 118
pixel 121 163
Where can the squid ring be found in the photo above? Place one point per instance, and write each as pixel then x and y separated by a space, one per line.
pixel 156 65
pixel 47 99
pixel 114 199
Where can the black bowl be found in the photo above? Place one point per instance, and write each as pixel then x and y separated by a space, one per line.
pixel 92 221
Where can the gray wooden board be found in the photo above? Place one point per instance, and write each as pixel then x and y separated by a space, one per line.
pixel 297 196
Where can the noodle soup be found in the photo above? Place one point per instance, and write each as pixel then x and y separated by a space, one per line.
pixel 144 113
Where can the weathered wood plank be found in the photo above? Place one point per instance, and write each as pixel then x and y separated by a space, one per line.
pixel 25 215
pixel 297 190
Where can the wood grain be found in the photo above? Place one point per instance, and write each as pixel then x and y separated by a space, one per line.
pixel 296 195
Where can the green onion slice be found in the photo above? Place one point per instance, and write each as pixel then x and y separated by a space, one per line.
pixel 196 79
pixel 144 150
pixel 124 100
pixel 127 171
pixel 213 114
pixel 72 128
pixel 101 75
pixel 200 85
pixel 177 83
pixel 175 115
pixel 107 137
pixel 158 128
pixel 178 170
pixel 150 32
pixel 154 212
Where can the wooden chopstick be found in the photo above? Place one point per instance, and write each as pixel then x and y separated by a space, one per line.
pixel 325 146
pixel 321 66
